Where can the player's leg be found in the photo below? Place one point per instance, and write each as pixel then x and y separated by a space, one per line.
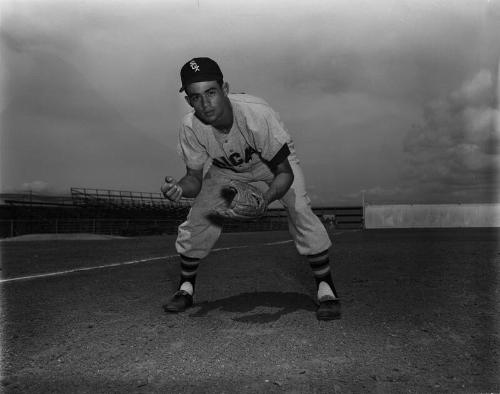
pixel 312 241
pixel 183 297
pixel 195 239
pixel 329 302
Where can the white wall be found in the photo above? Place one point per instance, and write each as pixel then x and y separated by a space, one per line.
pixel 420 215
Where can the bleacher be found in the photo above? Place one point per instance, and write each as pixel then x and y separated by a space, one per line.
pixel 34 199
pixel 127 203
pixel 90 210
pixel 132 213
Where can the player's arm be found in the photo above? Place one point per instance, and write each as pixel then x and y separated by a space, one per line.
pixel 188 186
pixel 191 182
pixel 283 179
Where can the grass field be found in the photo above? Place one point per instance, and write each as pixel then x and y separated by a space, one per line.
pixel 420 315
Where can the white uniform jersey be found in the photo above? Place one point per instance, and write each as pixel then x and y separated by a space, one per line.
pixel 257 136
pixel 256 142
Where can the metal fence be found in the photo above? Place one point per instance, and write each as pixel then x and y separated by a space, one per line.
pixel 126 227
pixel 341 218
pixel 11 228
pixel 105 198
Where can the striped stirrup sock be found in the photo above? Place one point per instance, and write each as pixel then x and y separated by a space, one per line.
pixel 320 265
pixel 189 268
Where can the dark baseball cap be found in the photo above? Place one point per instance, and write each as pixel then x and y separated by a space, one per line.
pixel 200 69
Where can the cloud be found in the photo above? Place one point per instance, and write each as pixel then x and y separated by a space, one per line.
pixel 36 186
pixel 453 153
pixel 478 90
pixel 455 148
pixel 92 97
pixel 57 126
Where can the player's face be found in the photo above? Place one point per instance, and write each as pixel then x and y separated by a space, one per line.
pixel 209 101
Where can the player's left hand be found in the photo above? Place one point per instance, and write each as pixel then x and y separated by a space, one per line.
pixel 244 202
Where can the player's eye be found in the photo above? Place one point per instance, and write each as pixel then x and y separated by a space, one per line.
pixel 195 99
pixel 211 93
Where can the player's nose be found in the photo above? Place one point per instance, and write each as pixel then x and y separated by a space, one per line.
pixel 204 103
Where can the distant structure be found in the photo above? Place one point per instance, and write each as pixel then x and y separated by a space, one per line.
pixel 87 210
pixel 121 212
pixel 120 199
pixel 33 199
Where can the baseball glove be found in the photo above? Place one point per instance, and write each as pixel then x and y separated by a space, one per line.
pixel 243 202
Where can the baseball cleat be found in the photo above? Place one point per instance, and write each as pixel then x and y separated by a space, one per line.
pixel 328 310
pixel 181 301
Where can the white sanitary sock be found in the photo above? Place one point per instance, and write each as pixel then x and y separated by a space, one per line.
pixel 187 287
pixel 325 292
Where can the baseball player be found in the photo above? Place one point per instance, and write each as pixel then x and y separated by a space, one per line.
pixel 239 137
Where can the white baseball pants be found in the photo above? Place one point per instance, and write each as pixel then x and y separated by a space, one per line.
pixel 198 234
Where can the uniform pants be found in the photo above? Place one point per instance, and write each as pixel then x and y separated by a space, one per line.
pixel 199 233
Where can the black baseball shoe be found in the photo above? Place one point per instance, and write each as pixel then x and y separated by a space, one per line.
pixel 328 309
pixel 180 301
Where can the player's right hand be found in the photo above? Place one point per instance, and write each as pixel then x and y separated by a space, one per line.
pixel 171 189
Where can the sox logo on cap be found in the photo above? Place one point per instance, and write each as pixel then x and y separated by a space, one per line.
pixel 194 66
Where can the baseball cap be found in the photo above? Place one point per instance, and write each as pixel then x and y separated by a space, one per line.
pixel 199 69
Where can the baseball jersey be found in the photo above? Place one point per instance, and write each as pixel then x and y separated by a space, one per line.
pixel 257 136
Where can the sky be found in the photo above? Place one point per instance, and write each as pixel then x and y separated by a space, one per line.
pixel 393 101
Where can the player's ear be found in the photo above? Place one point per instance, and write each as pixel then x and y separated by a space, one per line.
pixel 188 101
pixel 225 88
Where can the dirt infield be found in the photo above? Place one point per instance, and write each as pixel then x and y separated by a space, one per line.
pixel 420 312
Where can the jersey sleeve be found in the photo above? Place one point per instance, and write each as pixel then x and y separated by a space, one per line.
pixel 191 149
pixel 272 138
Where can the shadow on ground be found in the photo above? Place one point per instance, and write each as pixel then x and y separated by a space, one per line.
pixel 252 303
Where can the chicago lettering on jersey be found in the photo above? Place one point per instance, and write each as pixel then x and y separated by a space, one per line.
pixel 235 159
